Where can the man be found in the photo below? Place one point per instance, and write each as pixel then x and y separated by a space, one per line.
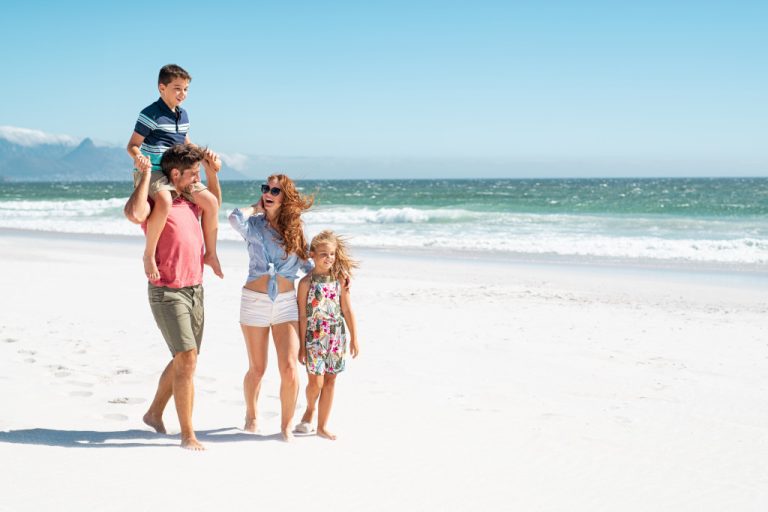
pixel 176 297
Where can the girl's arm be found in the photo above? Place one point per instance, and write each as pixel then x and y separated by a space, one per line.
pixel 349 317
pixel 301 297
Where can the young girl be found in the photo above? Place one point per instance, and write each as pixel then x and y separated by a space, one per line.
pixel 324 306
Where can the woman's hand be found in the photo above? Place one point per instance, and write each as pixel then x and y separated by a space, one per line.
pixel 258 207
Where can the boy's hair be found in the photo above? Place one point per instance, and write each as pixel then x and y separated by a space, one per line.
pixel 181 157
pixel 343 264
pixel 171 72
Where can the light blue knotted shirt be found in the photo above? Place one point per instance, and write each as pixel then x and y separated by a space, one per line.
pixel 265 250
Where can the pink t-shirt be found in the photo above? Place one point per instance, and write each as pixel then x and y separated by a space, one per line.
pixel 179 254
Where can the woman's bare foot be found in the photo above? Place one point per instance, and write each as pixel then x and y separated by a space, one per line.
pixel 287 435
pixel 324 433
pixel 191 443
pixel 150 267
pixel 250 425
pixel 155 422
pixel 212 260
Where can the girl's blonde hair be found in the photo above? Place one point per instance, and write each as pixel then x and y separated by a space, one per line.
pixel 289 225
pixel 343 264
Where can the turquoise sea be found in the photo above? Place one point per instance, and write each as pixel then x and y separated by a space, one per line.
pixel 718 221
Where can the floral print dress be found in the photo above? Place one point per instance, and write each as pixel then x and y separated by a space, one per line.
pixel 326 338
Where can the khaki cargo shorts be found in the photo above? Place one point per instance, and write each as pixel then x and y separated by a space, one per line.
pixel 179 315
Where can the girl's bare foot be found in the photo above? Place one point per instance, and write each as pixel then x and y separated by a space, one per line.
pixel 250 425
pixel 154 422
pixel 191 443
pixel 212 260
pixel 324 433
pixel 150 267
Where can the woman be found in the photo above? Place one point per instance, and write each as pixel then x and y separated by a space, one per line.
pixel 273 229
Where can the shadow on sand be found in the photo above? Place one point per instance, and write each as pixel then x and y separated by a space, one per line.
pixel 123 438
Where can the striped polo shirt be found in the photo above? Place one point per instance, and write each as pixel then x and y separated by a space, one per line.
pixel 161 128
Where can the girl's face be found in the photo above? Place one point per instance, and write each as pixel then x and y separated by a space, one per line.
pixel 270 201
pixel 324 256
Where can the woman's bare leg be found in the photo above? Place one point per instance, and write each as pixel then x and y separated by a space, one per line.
pixel 286 337
pixel 256 342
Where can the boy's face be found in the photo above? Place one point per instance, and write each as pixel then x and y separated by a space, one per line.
pixel 175 92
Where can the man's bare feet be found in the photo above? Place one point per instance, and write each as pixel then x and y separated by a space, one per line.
pixel 324 433
pixel 191 443
pixel 250 425
pixel 150 267
pixel 287 435
pixel 212 260
pixel 155 422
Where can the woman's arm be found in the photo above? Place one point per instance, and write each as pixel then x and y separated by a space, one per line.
pixel 238 218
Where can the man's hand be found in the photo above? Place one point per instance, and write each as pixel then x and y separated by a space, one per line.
pixel 211 161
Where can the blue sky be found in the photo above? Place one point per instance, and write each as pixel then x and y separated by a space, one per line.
pixel 419 88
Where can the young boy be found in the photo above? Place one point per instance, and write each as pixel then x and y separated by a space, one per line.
pixel 160 126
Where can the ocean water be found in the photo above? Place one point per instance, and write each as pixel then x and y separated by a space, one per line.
pixel 721 221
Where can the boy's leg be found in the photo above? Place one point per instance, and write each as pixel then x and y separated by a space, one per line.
pixel 184 364
pixel 154 416
pixel 324 408
pixel 155 225
pixel 210 206
pixel 314 387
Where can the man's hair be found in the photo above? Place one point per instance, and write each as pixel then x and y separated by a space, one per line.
pixel 171 72
pixel 181 157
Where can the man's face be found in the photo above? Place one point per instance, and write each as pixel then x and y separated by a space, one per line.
pixel 175 92
pixel 186 178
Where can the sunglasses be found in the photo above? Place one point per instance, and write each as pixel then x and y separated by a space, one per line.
pixel 274 190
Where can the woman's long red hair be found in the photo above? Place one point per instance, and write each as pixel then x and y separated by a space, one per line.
pixel 289 224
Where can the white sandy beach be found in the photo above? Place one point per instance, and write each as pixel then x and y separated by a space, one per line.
pixel 481 385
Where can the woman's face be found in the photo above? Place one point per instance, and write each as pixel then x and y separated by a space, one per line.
pixel 272 202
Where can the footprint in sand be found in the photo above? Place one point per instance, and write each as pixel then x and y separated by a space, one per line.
pixel 11 340
pixel 30 360
pixel 62 374
pixel 116 417
pixel 123 371
pixel 81 393
pixel 127 400
pixel 80 384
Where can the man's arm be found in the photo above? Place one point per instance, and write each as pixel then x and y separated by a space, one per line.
pixel 137 207
pixel 212 165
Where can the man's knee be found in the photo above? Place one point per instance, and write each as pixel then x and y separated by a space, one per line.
pixel 184 363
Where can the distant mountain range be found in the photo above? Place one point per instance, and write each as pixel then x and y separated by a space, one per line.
pixel 63 160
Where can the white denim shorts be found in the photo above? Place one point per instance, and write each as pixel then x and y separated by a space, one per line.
pixel 258 310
